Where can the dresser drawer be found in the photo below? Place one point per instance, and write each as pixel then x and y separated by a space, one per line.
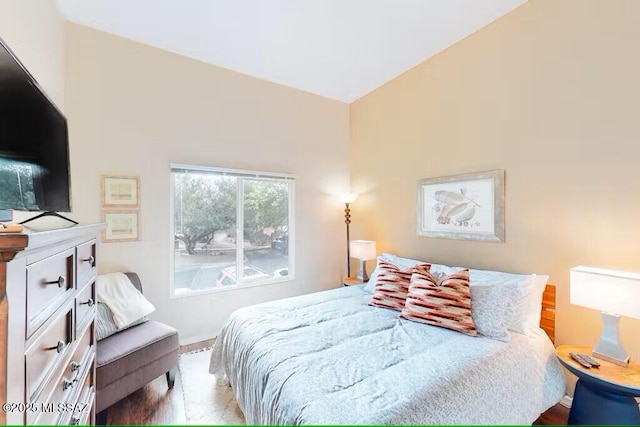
pixel 85 306
pixel 46 415
pixel 85 262
pixel 82 408
pixel 82 357
pixel 49 283
pixel 47 351
pixel 63 388
pixel 83 416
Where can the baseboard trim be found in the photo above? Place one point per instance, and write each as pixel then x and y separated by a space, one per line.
pixel 193 340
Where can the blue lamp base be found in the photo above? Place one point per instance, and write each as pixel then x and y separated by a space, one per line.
pixel 593 404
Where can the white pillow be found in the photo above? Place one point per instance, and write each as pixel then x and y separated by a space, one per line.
pixel 526 318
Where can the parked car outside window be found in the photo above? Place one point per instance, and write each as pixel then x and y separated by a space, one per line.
pixel 227 276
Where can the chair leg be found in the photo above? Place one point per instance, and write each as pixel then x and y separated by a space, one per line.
pixel 101 418
pixel 171 377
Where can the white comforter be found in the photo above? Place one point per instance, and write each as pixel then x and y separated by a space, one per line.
pixel 328 357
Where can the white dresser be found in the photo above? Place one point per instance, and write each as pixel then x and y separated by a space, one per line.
pixel 49 310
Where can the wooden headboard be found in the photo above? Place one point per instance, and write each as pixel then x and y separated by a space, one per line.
pixel 548 314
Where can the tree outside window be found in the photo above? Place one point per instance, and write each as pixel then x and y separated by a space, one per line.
pixel 208 207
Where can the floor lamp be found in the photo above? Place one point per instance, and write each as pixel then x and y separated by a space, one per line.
pixel 348 199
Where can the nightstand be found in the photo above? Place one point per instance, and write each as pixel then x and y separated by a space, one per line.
pixel 604 395
pixel 351 281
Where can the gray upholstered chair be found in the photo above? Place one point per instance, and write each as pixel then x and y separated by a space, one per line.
pixel 129 359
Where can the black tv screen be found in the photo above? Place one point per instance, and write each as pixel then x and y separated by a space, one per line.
pixel 34 148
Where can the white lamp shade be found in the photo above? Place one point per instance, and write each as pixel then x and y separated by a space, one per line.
pixel 349 198
pixel 363 249
pixel 611 291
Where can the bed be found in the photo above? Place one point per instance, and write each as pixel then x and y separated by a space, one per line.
pixel 331 358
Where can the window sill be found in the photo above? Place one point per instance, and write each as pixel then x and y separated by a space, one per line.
pixel 230 288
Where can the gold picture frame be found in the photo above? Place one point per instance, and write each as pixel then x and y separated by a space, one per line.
pixel 122 226
pixel 120 191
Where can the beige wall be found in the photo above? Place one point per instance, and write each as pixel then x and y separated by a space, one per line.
pixel 135 109
pixel 34 30
pixel 549 93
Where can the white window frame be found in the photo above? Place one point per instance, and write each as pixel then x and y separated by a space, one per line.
pixel 241 174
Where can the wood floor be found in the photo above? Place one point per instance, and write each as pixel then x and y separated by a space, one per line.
pixel 557 415
pixel 154 404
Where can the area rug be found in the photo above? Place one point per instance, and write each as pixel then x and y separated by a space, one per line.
pixel 206 401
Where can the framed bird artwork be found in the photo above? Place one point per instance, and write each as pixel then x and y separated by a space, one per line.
pixel 467 206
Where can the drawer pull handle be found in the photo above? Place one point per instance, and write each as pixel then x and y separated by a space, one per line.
pixel 91 260
pixel 58 348
pixel 75 421
pixel 66 383
pixel 89 302
pixel 75 366
pixel 59 282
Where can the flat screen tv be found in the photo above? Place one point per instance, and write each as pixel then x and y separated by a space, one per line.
pixel 34 148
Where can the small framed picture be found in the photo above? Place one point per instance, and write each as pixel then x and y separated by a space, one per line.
pixel 122 226
pixel 120 191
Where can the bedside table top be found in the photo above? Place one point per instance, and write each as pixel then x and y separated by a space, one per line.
pixel 626 378
pixel 350 281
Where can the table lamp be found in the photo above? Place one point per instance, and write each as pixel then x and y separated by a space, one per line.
pixel 363 250
pixel 616 293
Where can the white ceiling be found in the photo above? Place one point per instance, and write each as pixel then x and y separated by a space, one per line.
pixel 340 49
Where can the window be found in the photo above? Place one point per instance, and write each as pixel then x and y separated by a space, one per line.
pixel 231 228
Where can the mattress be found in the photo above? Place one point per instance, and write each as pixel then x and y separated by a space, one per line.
pixel 330 358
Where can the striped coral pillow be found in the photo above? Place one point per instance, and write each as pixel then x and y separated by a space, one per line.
pixel 445 302
pixel 392 284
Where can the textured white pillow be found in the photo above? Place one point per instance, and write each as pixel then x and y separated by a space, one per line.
pixel 521 289
pixel 492 310
pixel 105 326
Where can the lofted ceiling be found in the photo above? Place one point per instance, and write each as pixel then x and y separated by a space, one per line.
pixel 340 49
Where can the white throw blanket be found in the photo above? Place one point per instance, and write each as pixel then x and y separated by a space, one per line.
pixel 126 302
